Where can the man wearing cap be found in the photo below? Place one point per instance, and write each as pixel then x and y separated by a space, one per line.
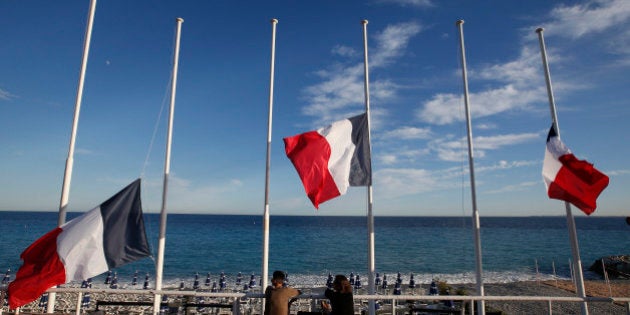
pixel 277 296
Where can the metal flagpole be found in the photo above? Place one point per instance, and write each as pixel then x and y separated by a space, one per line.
pixel 67 176
pixel 475 213
pixel 370 216
pixel 575 250
pixel 167 167
pixel 265 258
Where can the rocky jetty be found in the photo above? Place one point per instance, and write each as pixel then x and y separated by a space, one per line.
pixel 615 266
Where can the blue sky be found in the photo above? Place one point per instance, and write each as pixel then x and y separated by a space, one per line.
pixel 418 130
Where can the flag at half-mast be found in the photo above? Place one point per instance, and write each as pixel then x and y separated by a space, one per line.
pixel 99 240
pixel 330 159
pixel 569 179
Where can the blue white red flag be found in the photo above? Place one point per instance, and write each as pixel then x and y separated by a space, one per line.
pixel 331 159
pixel 569 179
pixel 99 240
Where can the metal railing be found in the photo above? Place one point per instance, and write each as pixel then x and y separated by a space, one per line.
pixel 249 303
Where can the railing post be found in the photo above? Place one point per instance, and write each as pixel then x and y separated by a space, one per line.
pixel 236 306
pixel 79 298
pixel 549 306
pixel 393 306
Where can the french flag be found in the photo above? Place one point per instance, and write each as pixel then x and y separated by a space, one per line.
pixel 330 159
pixel 99 240
pixel 569 179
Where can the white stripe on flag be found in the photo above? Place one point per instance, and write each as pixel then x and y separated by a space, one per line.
pixel 551 167
pixel 339 137
pixel 80 246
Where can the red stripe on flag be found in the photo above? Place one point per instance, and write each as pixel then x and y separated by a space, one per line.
pixel 310 152
pixel 579 183
pixel 41 270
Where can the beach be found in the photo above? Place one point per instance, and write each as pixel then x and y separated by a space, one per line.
pixel 562 288
pixel 594 288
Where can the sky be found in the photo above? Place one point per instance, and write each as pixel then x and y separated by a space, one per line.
pixel 418 127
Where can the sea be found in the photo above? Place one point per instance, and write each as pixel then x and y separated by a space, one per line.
pixel 309 248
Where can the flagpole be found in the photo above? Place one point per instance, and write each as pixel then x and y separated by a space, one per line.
pixel 167 167
pixel 265 258
pixel 575 250
pixel 370 216
pixel 475 211
pixel 67 176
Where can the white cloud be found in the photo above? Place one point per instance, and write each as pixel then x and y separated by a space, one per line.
pixel 496 142
pixel 442 109
pixel 388 159
pixel 451 150
pixel 516 187
pixel 5 95
pixel 486 126
pixel 410 3
pixel 344 51
pixel 448 108
pixel 185 195
pixel 392 42
pixel 408 133
pixel 591 17
pixel 383 90
pixel 521 85
pixel 504 165
pixel 83 151
pixel 236 183
pixel 398 182
pixel 394 183
pixel 521 72
pixel 595 17
pixel 456 150
pixel 622 46
pixel 509 97
pixel 617 172
pixel 401 155
pixel 342 88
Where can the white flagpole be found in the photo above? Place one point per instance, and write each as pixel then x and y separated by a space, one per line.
pixel 370 216
pixel 167 168
pixel 475 212
pixel 67 176
pixel 265 258
pixel 575 250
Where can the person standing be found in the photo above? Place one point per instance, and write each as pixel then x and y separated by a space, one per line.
pixel 277 296
pixel 340 296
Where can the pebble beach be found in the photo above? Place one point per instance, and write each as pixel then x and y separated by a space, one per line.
pixel 562 288
pixel 594 288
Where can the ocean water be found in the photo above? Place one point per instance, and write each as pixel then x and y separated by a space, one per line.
pixel 308 248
